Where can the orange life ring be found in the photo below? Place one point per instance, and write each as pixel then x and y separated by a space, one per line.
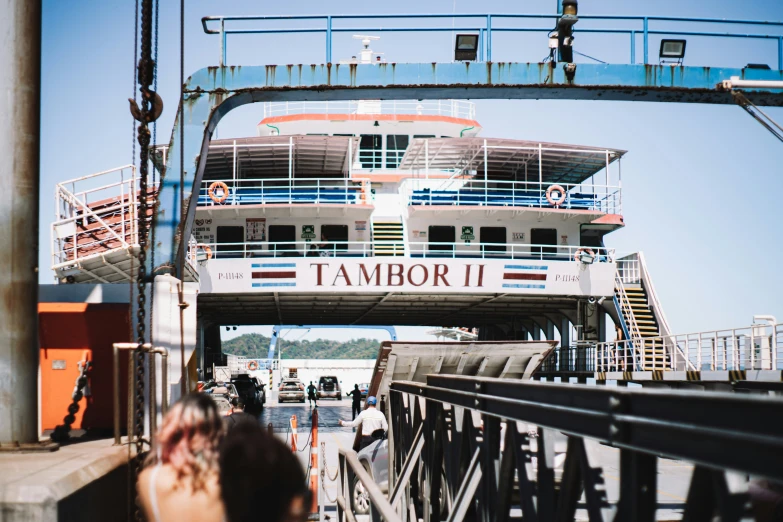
pixel 252 365
pixel 580 250
pixel 206 249
pixel 211 192
pixel 552 201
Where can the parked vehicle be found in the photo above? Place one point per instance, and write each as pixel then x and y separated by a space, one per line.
pixel 329 387
pixel 248 391
pixel 291 390
pixel 365 389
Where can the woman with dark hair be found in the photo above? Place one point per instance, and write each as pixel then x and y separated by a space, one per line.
pixel 260 478
pixel 180 480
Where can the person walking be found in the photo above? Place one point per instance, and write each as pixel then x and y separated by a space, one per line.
pixel 372 421
pixel 180 480
pixel 237 414
pixel 312 395
pixel 356 401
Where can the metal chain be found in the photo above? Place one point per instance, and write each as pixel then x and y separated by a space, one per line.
pixel 146 68
pixel 325 475
pixel 325 468
pixel 62 432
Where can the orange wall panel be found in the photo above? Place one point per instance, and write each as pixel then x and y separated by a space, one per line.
pixel 66 331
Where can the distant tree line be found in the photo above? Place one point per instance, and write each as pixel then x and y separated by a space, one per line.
pixel 256 346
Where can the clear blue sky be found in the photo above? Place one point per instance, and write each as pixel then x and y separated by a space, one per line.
pixel 702 184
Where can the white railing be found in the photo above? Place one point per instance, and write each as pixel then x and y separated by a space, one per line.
pixel 450 108
pixel 755 347
pixel 474 192
pixel 94 213
pixel 629 270
pixel 327 248
pixel 284 190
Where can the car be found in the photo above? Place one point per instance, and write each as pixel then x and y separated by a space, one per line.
pixel 247 391
pixel 329 387
pixel 365 389
pixel 291 390
pixel 224 406
pixel 374 458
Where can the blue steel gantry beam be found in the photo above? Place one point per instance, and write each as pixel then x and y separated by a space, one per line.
pixel 214 91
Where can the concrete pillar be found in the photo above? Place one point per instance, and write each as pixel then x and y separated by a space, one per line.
pixel 20 81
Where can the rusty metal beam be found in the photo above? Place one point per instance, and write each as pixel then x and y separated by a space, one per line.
pixel 213 92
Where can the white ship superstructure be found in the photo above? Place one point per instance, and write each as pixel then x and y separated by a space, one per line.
pixel 387 212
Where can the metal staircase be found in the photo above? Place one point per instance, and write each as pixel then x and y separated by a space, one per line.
pixel 641 317
pixel 388 237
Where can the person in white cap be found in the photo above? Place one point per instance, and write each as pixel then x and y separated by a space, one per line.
pixel 372 421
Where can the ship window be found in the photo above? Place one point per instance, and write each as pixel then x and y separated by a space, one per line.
pixel 543 236
pixel 441 234
pixel 396 144
pixel 371 151
pixel 282 234
pixel 230 242
pixel 334 238
pixel 423 135
pixel 489 235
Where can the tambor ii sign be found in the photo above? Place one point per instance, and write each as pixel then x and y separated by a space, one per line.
pixel 335 274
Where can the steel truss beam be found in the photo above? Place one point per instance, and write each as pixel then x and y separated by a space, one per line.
pixel 466 473
pixel 214 91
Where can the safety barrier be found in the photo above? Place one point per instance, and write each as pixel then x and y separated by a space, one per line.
pixel 432 249
pixel 468 438
pixel 133 349
pixel 486 25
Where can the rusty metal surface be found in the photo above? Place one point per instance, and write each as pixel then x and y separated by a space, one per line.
pixel 20 61
pixel 212 92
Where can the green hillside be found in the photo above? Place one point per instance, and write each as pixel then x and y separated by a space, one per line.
pixel 256 346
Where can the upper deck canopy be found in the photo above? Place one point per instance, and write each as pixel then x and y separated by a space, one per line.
pixel 509 159
pixel 311 156
pixel 270 157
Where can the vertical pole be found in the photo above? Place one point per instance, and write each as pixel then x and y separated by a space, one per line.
pixel 633 47
pixel 780 53
pixel 328 39
pixel 314 462
pixel 606 184
pixel 20 58
pixel 489 38
pixel 427 159
pixel 234 173
pixel 290 167
pixel 485 172
pixel 481 45
pixel 222 42
pixel 293 433
pixel 646 42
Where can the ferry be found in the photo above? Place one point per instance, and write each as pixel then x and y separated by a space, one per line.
pixel 386 212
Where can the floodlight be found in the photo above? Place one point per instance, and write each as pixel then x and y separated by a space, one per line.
pixel 466 47
pixel 672 50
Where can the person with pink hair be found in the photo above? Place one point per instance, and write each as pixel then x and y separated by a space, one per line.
pixel 181 478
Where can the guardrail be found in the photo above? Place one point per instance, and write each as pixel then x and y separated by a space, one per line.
pixel 452 108
pixel 477 452
pixel 530 194
pixel 755 347
pixel 327 248
pixel 152 414
pixel 94 213
pixel 340 191
pixel 350 467
pixel 485 25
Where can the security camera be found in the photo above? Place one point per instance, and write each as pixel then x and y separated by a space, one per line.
pixel 591 300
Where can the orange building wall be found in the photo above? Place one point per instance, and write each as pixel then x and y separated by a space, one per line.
pixel 66 331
